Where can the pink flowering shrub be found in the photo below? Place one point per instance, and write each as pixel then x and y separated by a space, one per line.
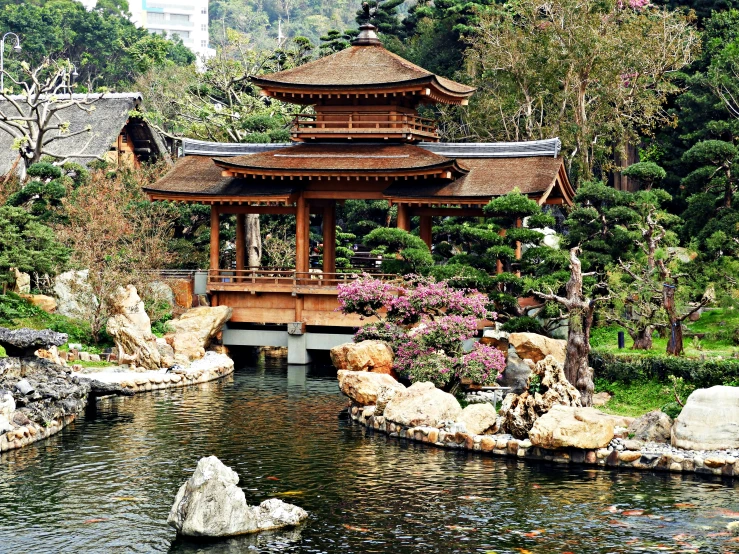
pixel 364 296
pixel 426 323
pixel 483 365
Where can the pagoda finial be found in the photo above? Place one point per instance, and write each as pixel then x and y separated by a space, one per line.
pixel 367 36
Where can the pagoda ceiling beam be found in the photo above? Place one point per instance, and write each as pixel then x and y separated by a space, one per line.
pixel 272 210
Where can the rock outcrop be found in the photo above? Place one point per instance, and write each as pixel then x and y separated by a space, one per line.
pixel 496 338
pixel 48 393
pixel 709 420
pixel 567 426
pixel 656 426
pixel 74 294
pixel 516 373
pixel 22 343
pixel 366 388
pixel 537 347
pixel 130 328
pixel 548 387
pixel 210 504
pixel 422 404
pixel 368 355
pixel 21 281
pixel 480 419
pixel 194 331
pixel 46 303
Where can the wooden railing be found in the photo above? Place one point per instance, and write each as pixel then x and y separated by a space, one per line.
pixel 364 123
pixel 282 279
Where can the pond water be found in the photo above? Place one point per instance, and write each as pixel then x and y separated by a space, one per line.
pixel 106 483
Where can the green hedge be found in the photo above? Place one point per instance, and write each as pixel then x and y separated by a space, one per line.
pixel 701 373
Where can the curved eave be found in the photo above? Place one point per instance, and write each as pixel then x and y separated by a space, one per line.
pixel 200 198
pixel 563 187
pixel 427 88
pixel 448 169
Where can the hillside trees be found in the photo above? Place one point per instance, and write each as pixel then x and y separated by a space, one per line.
pixel 596 74
pixel 107 49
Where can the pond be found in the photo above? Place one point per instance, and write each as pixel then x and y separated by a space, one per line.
pixel 106 483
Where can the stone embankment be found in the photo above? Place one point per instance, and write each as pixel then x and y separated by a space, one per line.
pixel 546 420
pixel 617 454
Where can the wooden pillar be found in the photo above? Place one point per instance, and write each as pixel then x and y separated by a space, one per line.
pixel 302 235
pixel 404 217
pixel 214 237
pixel 240 245
pixel 425 230
pixel 329 238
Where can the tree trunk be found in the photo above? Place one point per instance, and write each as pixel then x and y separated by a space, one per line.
pixel 642 338
pixel 675 336
pixel 253 241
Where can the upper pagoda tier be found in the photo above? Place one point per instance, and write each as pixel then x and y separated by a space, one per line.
pixel 363 92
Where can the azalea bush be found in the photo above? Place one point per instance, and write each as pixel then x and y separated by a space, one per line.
pixel 483 365
pixel 426 323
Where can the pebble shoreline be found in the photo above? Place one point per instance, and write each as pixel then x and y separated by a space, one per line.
pixel 138 382
pixel 651 456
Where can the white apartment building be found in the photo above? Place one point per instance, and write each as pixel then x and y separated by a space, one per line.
pixel 187 19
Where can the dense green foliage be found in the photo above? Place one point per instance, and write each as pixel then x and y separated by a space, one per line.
pixel 108 50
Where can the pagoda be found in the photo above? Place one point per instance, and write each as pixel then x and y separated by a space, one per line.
pixel 364 140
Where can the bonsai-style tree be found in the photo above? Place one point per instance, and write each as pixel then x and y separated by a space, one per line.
pixel 716 159
pixel 402 252
pixel 645 173
pixel 580 308
pixel 28 245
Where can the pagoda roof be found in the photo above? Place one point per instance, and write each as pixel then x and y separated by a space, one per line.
pixel 362 69
pixel 198 178
pixel 338 158
pixel 536 176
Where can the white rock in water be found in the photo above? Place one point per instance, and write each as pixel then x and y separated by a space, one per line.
pixel 7 407
pixel 210 504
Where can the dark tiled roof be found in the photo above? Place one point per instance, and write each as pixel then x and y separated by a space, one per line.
pixel 487 177
pixel 324 157
pixel 198 175
pixel 106 117
pixel 362 67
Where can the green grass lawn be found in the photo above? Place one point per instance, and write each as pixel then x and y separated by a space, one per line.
pixel 635 399
pixel 717 325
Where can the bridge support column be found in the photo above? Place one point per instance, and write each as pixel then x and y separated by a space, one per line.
pixel 297 351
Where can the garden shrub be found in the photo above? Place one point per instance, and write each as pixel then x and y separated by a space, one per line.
pixel 702 373
pixel 524 324
pixel 483 365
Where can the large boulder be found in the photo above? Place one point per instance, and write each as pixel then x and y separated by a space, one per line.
pixel 571 427
pixel 21 281
pixel 365 388
pixel 74 294
pixel 537 347
pixel 193 332
pixel 21 343
pixel 130 328
pixel 656 426
pixel 516 373
pixel 479 418
pixel 368 355
pixel 210 504
pixel 551 388
pixel 709 420
pixel 46 303
pixel 422 404
pixel 496 338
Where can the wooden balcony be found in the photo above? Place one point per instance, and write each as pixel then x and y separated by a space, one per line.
pixel 360 125
pixel 282 280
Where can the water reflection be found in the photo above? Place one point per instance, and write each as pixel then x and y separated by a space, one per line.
pixel 107 482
